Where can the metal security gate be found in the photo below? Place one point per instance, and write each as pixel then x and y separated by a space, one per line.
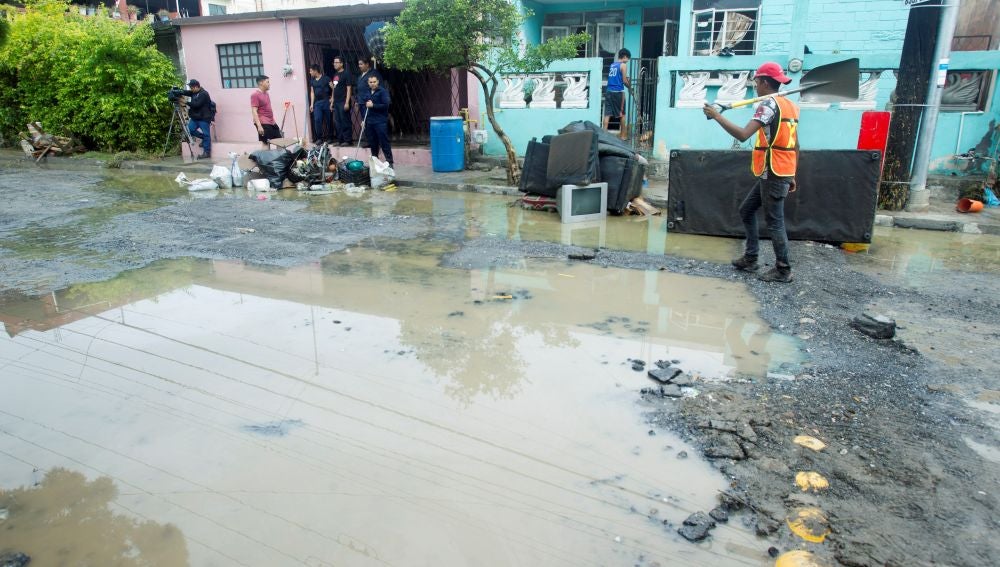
pixel 640 108
pixel 416 96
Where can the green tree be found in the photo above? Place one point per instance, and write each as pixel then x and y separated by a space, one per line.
pixel 480 36
pixel 96 78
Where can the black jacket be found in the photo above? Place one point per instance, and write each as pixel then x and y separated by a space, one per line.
pixel 199 105
pixel 379 112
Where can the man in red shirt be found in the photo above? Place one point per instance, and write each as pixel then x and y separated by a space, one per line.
pixel 263 116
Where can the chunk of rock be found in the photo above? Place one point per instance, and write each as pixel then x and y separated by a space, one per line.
pixel 664 375
pixel 719 514
pixel 14 559
pixel 875 326
pixel 725 448
pixel 672 391
pixel 683 380
pixel 764 526
pixel 696 526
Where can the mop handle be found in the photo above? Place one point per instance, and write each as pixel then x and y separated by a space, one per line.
pixel 363 120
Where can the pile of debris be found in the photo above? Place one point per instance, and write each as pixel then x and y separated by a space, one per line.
pixel 583 159
pixel 37 144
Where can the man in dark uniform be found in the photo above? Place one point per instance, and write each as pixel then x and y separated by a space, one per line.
pixel 343 85
pixel 365 70
pixel 319 105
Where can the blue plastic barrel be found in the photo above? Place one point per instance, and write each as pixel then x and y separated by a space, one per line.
pixel 447 143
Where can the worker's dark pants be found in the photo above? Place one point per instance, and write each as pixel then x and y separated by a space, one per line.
pixel 378 137
pixel 322 130
pixel 769 193
pixel 345 128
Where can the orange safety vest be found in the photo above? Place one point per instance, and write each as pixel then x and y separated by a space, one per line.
pixel 780 151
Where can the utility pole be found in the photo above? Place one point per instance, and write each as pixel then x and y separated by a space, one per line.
pixel 919 195
pixel 908 105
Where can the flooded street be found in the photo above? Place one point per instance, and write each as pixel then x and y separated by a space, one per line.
pixel 426 378
pixel 368 409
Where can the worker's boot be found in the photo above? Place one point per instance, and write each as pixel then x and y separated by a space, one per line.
pixel 779 273
pixel 746 263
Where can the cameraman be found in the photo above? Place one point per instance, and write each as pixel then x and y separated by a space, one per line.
pixel 201 115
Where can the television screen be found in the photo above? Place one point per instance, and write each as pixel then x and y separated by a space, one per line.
pixel 586 201
pixel 582 203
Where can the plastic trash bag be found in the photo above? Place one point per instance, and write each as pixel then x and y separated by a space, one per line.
pixel 222 175
pixel 200 184
pixel 275 164
pixel 990 198
pixel 236 171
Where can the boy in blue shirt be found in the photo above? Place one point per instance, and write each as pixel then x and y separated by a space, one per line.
pixel 614 97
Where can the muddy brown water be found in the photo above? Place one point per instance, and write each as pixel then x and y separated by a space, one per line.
pixel 371 409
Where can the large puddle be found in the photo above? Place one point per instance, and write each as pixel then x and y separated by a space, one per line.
pixel 369 409
pixel 918 257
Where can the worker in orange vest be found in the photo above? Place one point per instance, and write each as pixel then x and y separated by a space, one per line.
pixel 775 156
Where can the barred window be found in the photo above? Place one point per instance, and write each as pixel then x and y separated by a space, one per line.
pixel 240 63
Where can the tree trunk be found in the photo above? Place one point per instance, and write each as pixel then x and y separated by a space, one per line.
pixel 911 94
pixel 513 170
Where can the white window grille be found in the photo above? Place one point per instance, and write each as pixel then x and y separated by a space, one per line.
pixel 714 30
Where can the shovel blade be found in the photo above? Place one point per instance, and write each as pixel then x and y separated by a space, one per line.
pixel 834 82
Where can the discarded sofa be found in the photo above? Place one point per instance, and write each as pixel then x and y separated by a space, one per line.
pixel 582 153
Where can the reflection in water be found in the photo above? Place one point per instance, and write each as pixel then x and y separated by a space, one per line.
pixel 66 520
pixel 456 216
pixel 916 255
pixel 376 408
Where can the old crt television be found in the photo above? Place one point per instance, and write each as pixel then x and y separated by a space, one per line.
pixel 578 203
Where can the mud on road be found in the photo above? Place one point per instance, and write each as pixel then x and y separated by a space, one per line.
pixel 899 417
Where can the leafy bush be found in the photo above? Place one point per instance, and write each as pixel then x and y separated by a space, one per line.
pixel 95 78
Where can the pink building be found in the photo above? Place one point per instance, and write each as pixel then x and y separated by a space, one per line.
pixel 225 53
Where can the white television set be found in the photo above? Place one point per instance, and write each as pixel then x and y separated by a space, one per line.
pixel 580 203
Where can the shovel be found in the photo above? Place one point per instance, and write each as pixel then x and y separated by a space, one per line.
pixel 827 83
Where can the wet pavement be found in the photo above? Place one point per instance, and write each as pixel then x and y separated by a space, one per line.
pixel 344 399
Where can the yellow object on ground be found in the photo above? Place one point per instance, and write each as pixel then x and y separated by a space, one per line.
pixel 811 479
pixel 797 558
pixel 809 442
pixel 855 246
pixel 809 524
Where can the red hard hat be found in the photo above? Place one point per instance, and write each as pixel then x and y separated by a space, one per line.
pixel 773 70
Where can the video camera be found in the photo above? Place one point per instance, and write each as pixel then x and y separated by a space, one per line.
pixel 174 94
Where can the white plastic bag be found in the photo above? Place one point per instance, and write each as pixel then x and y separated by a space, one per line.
pixel 223 176
pixel 237 173
pixel 381 168
pixel 203 185
pixel 200 184
pixel 260 185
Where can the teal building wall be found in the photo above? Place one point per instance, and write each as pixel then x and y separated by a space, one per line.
pixel 831 30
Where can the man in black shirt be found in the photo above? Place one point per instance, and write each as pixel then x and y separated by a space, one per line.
pixel 343 85
pixel 319 105
pixel 200 115
pixel 365 70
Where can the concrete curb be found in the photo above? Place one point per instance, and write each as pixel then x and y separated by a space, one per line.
pixel 939 224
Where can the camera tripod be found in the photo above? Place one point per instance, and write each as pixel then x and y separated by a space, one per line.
pixel 181 118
